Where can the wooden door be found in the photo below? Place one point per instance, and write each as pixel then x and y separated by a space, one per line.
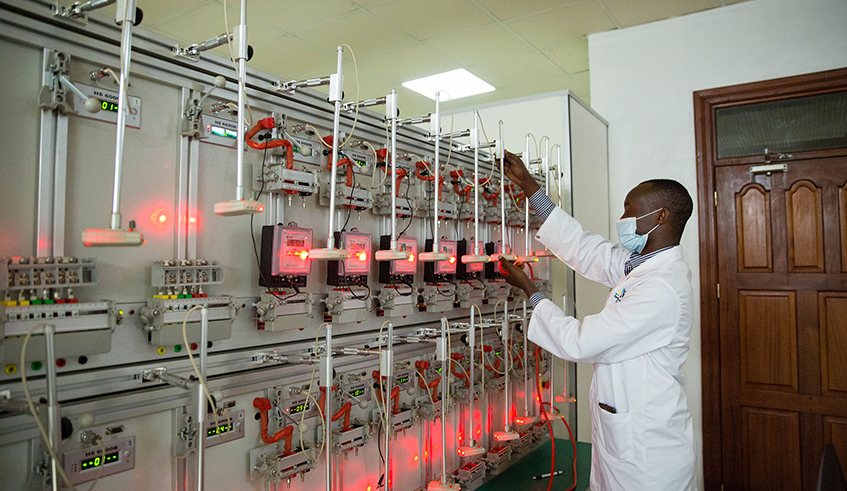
pixel 782 274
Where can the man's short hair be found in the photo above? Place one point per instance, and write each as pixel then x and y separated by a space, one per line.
pixel 670 194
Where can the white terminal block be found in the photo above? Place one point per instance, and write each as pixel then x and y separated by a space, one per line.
pixel 474 138
pixel 440 349
pixel 336 87
pixel 386 362
pixel 239 39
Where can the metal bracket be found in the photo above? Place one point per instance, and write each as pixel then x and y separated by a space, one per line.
pixel 55 96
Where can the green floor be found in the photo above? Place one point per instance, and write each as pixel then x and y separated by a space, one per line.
pixel 538 462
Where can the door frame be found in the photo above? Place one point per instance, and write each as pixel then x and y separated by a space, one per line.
pixel 705 104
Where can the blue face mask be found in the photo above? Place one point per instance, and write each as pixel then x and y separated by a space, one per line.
pixel 627 232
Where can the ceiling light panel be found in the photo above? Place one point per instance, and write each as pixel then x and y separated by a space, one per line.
pixel 456 83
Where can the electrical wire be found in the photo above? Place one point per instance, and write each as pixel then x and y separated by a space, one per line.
pixel 309 391
pixel 200 377
pixel 550 428
pixel 356 116
pixel 409 203
pixel 490 174
pixel 38 423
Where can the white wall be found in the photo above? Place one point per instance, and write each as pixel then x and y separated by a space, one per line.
pixel 642 80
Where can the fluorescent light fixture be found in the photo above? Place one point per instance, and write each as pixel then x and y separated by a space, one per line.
pixel 456 83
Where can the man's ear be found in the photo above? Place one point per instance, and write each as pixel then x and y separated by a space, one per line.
pixel 663 216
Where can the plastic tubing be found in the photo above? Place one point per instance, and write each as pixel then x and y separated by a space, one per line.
pixel 264 405
pixel 266 124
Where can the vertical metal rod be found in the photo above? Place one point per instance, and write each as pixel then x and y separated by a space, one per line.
pixel 547 166
pixel 445 381
pixel 182 178
pixel 388 413
pixel 126 51
pixel 476 240
pixel 561 173
pixel 508 355
pixel 60 174
pixel 527 252
pixel 437 164
pixel 328 387
pixel 472 341
pixel 200 450
pixel 242 81
pixel 193 178
pixel 527 242
pixel 53 425
pixel 503 233
pixel 46 167
pixel 391 105
pixel 336 147
pixel 204 340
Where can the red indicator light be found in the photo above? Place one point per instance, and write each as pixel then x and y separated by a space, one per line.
pixel 362 256
pixel 411 258
pixel 192 219
pixel 452 259
pixel 304 255
pixel 261 208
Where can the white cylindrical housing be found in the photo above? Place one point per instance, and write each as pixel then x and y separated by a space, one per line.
pixel 391 111
pixel 336 147
pixel 476 240
pixel 242 76
pixel 437 164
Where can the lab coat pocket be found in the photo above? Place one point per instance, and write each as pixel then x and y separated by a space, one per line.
pixel 617 434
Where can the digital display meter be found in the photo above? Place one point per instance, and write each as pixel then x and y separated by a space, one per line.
pixel 448 266
pixel 217 430
pixel 353 270
pixel 109 106
pixel 285 258
pixel 298 408
pixel 358 392
pixel 95 462
pixel 409 266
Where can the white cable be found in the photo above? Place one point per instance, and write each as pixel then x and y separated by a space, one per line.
pixel 309 391
pixel 218 418
pixel 356 115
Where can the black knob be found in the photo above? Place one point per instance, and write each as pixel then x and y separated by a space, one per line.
pixel 139 16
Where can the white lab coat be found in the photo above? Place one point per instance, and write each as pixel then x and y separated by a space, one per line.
pixel 638 344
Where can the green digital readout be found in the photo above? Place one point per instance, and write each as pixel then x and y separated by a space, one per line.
pixel 402 380
pixel 358 392
pixel 93 462
pixel 298 408
pixel 222 132
pixel 438 369
pixel 217 430
pixel 109 106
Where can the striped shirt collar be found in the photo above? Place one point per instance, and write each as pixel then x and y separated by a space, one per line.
pixel 636 259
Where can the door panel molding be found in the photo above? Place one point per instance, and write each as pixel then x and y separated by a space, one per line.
pixel 753 209
pixel 804 224
pixel 833 322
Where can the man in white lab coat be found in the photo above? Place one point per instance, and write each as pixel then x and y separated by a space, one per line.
pixel 642 435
